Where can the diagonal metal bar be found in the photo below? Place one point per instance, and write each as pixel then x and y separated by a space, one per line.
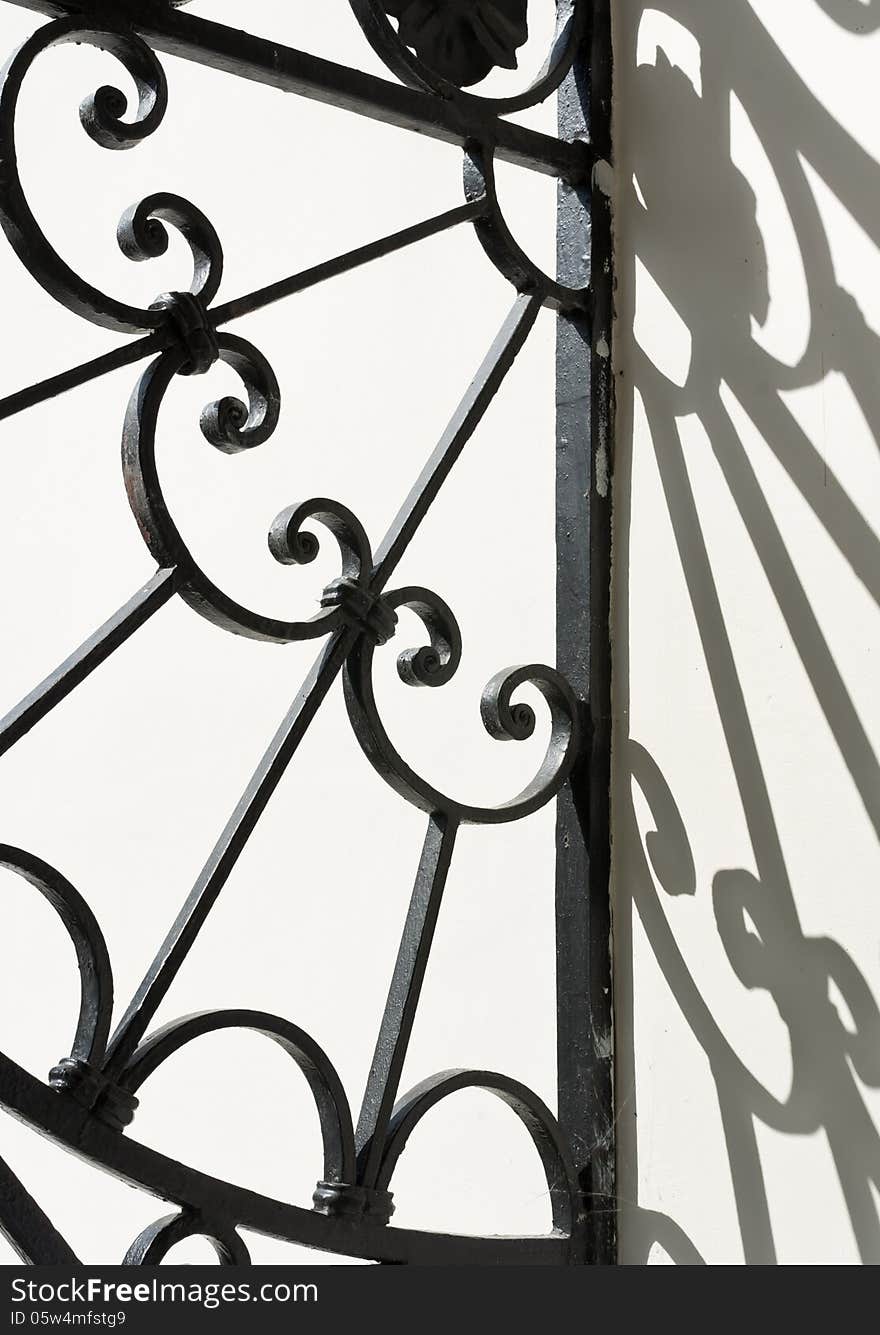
pixel 227 851
pixel 341 264
pixel 403 995
pixel 470 411
pixel 82 374
pixel 27 1228
pixel 86 658
pixel 239 306
pixel 283 746
pixel 226 49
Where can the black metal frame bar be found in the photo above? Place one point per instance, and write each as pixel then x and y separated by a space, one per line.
pixel 91 1097
pixel 229 51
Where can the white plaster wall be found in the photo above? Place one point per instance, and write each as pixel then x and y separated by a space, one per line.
pixel 747 801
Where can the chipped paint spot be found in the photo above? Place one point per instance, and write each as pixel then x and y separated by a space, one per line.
pixel 602 470
pixel 602 1044
pixel 603 177
pixel 602 348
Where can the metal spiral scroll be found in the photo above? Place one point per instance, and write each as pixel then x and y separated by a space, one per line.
pixel 92 1094
pixel 434 665
pixel 141 232
pixel 231 427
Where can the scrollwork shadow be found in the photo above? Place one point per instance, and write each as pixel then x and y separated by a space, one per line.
pixel 718 300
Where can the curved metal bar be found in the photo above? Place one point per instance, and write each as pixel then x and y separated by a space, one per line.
pixel 70 1126
pixel 142 236
pixel 153 1245
pixel 502 719
pixel 333 1110
pixel 499 243
pixel 231 427
pixel 96 976
pixel 571 19
pixel 141 233
pixel 290 544
pixel 434 664
pixel 228 424
pixel 532 1112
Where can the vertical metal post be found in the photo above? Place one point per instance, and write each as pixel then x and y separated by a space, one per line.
pixel 585 399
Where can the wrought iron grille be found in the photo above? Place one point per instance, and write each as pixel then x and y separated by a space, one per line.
pixel 437 50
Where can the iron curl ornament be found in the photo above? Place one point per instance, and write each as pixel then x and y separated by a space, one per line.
pixel 462 42
pixel 447 46
pixel 141 233
pixel 434 665
pixel 438 52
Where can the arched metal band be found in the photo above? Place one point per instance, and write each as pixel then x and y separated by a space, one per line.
pixel 499 243
pixel 71 1126
pixel 153 1245
pixel 330 1099
pixel 93 960
pixel 532 1112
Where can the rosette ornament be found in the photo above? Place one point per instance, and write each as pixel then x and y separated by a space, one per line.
pixel 462 40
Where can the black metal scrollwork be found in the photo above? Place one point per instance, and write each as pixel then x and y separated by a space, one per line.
pixel 438 48
pixel 141 234
pixel 444 46
pixel 462 42
pixel 500 245
pixel 434 665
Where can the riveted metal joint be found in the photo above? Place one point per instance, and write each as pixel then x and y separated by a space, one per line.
pixel 189 318
pixel 362 608
pixel 90 1088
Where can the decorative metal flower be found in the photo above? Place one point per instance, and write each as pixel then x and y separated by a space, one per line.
pixel 462 40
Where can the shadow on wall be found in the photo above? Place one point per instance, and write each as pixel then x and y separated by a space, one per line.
pixel 690 222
